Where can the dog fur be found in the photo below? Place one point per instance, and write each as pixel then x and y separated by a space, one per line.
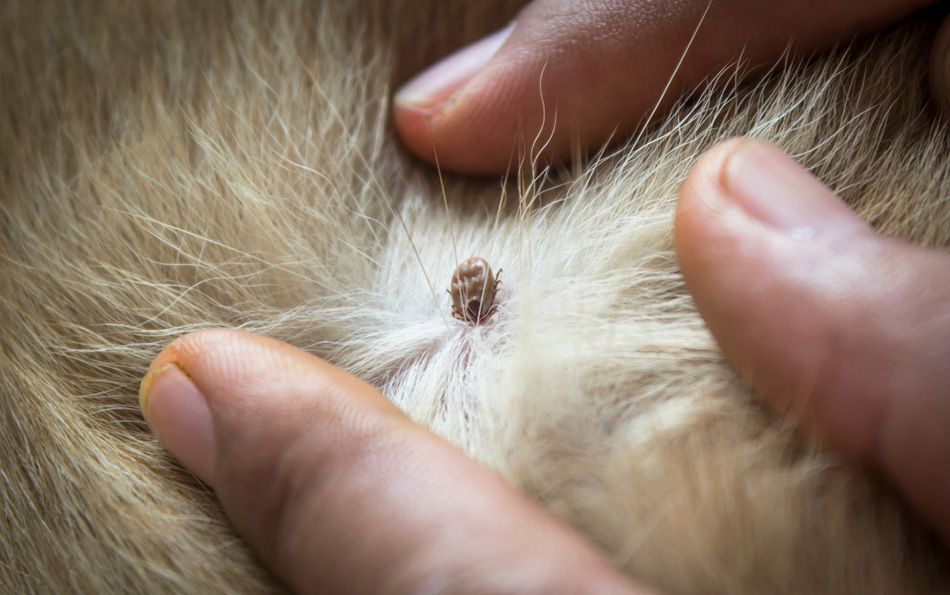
pixel 168 166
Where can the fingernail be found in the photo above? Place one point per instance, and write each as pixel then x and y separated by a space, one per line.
pixel 178 414
pixel 775 190
pixel 437 84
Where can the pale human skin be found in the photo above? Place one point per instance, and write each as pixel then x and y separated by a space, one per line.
pixel 271 428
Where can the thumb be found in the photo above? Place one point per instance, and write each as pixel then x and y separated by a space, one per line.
pixel 567 72
pixel 337 491
pixel 844 331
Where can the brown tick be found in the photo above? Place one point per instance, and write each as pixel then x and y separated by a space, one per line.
pixel 473 290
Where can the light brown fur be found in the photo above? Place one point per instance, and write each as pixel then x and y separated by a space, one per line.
pixel 170 166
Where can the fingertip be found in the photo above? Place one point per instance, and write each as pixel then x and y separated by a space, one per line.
pixel 175 408
pixel 441 113
pixel 703 202
pixel 178 414
pixel 769 255
pixel 476 133
pixel 712 235
pixel 412 126
pixel 436 85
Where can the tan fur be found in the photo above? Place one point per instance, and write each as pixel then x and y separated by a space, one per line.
pixel 170 166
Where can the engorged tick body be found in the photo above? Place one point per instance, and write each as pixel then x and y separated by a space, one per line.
pixel 473 290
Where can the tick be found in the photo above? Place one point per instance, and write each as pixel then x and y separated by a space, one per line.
pixel 473 290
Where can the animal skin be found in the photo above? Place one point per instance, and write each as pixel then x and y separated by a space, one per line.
pixel 168 166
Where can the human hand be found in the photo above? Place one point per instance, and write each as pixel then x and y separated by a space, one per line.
pixel 606 65
pixel 844 331
pixel 338 491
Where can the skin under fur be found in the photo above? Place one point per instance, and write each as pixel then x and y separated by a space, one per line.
pixel 171 166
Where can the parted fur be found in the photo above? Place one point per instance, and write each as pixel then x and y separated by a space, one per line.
pixel 167 166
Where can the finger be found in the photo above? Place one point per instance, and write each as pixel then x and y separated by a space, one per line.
pixel 338 491
pixel 605 66
pixel 842 330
